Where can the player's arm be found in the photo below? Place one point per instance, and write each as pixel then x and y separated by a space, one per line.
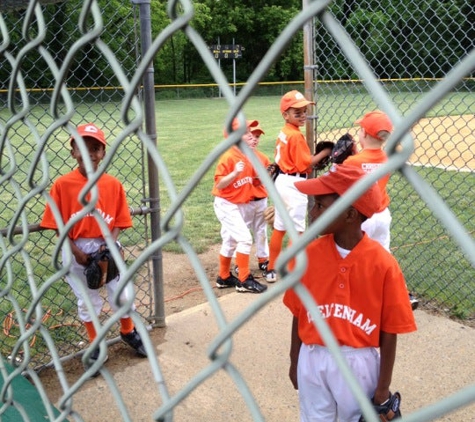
pixel 225 181
pixel 295 344
pixel 82 258
pixel 317 158
pixel 387 347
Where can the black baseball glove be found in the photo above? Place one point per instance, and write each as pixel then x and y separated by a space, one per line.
pixel 389 410
pixel 273 170
pixel 101 267
pixel 344 147
pixel 319 148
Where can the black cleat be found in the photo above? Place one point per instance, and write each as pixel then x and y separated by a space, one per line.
pixel 133 340
pixel 250 285
pixel 222 283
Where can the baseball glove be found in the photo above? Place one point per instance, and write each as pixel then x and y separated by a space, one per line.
pixel 388 410
pixel 344 147
pixel 101 267
pixel 319 148
pixel 273 170
pixel 269 214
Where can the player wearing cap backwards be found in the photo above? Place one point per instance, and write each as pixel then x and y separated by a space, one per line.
pixel 85 236
pixel 375 128
pixel 360 292
pixel 234 189
pixel 295 161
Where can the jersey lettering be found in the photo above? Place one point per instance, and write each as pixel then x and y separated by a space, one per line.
pixel 370 167
pixel 242 182
pixel 344 312
pixel 283 137
pixel 107 218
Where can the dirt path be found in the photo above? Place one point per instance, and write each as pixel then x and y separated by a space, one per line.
pixel 447 142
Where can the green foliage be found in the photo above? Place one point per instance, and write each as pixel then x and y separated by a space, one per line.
pixel 399 39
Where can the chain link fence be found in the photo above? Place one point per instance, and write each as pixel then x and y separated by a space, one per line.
pixel 399 43
pixel 30 113
pixel 51 52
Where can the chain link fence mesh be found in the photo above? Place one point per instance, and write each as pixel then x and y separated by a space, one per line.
pixel 397 44
pixel 50 51
pixel 28 113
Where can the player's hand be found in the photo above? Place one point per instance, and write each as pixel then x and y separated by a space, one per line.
pixel 239 167
pixel 81 257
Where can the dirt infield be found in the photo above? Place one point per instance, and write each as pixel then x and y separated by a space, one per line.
pixel 445 142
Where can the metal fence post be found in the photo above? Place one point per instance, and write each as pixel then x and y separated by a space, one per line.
pixel 153 179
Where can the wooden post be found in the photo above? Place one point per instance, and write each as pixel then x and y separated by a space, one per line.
pixel 308 46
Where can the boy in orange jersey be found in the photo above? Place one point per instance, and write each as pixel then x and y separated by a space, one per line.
pixel 85 236
pixel 375 128
pixel 360 291
pixel 253 213
pixel 234 189
pixel 295 161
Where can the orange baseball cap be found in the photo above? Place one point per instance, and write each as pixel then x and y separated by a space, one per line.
pixel 256 127
pixel 338 180
pixel 293 99
pixel 235 125
pixel 90 130
pixel 374 122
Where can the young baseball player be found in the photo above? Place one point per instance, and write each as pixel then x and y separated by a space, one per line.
pixel 360 292
pixel 295 161
pixel 375 128
pixel 253 212
pixel 235 187
pixel 86 236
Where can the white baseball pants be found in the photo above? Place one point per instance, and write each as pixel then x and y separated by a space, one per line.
pixel 323 392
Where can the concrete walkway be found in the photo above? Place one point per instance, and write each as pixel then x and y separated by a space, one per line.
pixel 432 363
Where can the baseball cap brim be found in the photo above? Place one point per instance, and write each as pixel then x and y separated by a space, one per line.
pixel 338 180
pixel 314 187
pixel 301 104
pixel 90 130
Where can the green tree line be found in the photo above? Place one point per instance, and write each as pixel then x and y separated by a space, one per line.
pixel 399 38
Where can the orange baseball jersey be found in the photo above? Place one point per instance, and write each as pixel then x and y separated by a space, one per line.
pixel 111 204
pixel 241 189
pixel 292 153
pixel 369 160
pixel 260 190
pixel 358 296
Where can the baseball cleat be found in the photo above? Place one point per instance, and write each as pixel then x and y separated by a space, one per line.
pixel 133 340
pixel 271 276
pixel 263 267
pixel 222 283
pixel 93 358
pixel 250 285
pixel 414 301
